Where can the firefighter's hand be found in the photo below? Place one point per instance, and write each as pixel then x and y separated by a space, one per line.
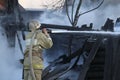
pixel 21 61
pixel 44 30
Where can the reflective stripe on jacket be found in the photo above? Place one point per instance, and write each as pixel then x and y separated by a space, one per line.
pixel 35 66
pixel 37 63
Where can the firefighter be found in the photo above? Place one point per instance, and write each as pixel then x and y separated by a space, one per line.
pixel 36 41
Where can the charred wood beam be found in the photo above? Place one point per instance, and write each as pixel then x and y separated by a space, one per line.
pixel 10 7
pixel 70 45
pixel 108 59
pixel 65 60
pixel 109 25
pixel 53 26
pixel 116 59
pixel 64 27
pixel 89 59
pixel 59 69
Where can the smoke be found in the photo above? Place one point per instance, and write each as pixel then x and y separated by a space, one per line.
pixel 54 18
pixel 10 68
pixel 109 9
pixel 6 59
pixel 111 2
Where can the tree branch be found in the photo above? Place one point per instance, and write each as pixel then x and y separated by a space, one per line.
pixel 91 9
pixel 72 11
pixel 76 14
pixel 68 12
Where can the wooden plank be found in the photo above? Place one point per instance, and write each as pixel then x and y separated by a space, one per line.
pixel 116 59
pixel 108 59
pixel 92 53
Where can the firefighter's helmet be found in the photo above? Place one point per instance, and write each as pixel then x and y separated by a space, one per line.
pixel 34 24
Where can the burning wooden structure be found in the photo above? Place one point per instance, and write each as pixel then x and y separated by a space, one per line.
pixel 100 52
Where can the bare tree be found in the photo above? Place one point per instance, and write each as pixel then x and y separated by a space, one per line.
pixel 74 18
pixel 72 10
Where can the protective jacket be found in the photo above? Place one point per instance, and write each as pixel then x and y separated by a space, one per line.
pixel 40 42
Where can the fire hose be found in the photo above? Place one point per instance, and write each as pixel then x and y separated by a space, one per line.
pixel 30 56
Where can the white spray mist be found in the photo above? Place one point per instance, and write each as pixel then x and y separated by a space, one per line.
pixel 10 68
